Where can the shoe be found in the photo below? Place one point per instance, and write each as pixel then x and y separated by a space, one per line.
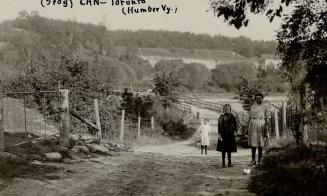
pixel 253 163
pixel 230 165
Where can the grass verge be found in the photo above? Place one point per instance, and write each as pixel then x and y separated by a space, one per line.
pixel 293 170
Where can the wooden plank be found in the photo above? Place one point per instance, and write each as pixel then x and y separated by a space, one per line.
pixel 152 122
pixel 139 127
pixel 2 140
pixel 276 123
pixel 97 117
pixel 122 126
pixel 89 123
pixel 64 138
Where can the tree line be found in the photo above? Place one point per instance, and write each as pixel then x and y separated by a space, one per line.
pixel 168 39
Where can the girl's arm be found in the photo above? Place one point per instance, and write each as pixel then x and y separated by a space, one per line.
pixel 235 124
pixel 220 123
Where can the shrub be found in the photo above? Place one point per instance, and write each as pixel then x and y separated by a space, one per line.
pixel 171 121
pixel 293 170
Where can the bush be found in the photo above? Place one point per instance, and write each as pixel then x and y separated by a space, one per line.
pixel 293 170
pixel 171 121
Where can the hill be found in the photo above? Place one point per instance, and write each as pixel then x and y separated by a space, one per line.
pixel 120 57
pixel 32 39
pixel 170 40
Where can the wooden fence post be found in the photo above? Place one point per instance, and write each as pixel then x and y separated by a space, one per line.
pixel 152 122
pixel 64 118
pixel 139 127
pixel 276 123
pixel 284 105
pixel 122 123
pixel 97 117
pixel 2 140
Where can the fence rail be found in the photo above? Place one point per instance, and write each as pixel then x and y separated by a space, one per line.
pixel 207 105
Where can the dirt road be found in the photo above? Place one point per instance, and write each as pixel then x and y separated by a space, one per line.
pixel 174 169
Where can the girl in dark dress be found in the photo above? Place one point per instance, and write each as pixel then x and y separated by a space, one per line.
pixel 227 127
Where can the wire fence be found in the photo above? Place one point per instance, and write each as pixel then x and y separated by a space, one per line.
pixel 29 116
pixel 286 121
pixel 26 117
pixel 128 128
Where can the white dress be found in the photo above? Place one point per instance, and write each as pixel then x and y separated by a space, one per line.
pixel 204 132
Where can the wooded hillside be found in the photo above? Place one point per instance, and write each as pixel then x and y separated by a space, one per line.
pixel 32 40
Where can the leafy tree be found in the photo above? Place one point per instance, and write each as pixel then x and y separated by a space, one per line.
pixel 302 41
pixel 227 75
pixel 192 76
pixel 273 79
pixel 247 90
pixel 302 37
pixel 164 86
pixel 236 12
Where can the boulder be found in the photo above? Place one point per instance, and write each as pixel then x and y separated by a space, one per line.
pixel 7 156
pixel 95 148
pixel 81 149
pixel 53 156
pixel 78 152
pixel 35 157
pixel 62 150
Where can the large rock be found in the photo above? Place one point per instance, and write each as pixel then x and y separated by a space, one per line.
pixel 95 148
pixel 8 156
pixel 81 149
pixel 77 152
pixel 35 157
pixel 62 150
pixel 53 156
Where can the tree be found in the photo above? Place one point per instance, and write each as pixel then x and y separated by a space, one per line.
pixel 227 75
pixel 247 90
pixel 302 42
pixel 23 14
pixel 164 86
pixel 235 12
pixel 302 37
pixel 192 76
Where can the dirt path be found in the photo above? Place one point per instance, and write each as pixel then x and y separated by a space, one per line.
pixel 174 169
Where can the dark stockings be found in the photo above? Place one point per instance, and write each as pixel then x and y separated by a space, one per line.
pixel 229 154
pixel 204 147
pixel 254 149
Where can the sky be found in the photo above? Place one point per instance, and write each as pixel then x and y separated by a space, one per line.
pixel 191 16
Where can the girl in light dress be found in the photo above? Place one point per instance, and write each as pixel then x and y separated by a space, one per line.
pixel 204 134
pixel 257 127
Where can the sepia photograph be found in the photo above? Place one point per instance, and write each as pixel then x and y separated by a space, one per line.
pixel 163 97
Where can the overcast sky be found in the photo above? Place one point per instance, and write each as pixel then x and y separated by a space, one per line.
pixel 191 16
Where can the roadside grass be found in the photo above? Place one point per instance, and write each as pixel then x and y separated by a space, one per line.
pixel 21 168
pixel 292 170
pixel 146 140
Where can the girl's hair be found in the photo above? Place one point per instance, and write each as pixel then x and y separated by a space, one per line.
pixel 206 119
pixel 227 106
pixel 259 95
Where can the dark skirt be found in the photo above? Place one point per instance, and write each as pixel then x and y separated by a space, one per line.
pixel 228 145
